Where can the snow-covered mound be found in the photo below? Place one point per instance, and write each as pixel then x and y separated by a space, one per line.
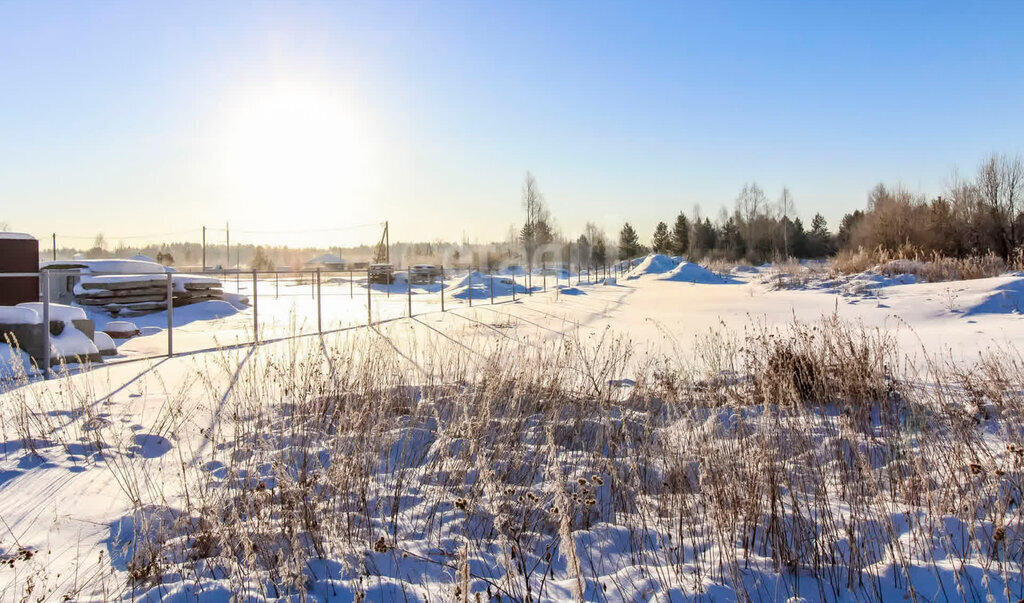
pixel 1006 298
pixel 688 272
pixel 655 263
pixel 479 286
pixel 473 277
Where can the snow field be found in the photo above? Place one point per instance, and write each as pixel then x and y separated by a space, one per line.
pixel 654 440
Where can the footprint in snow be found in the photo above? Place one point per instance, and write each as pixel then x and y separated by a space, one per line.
pixel 151 446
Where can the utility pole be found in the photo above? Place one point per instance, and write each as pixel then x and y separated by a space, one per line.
pixel 54 247
pixel 387 243
pixel 204 249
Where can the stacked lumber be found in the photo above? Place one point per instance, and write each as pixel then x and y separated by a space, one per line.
pixel 135 294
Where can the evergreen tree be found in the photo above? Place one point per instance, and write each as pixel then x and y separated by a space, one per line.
pixel 600 252
pixel 798 240
pixel 732 240
pixel 704 238
pixel 681 235
pixel 584 253
pixel 261 261
pixel 846 227
pixel 820 239
pixel 661 241
pixel 629 242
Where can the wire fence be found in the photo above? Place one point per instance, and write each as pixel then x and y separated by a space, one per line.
pixel 260 307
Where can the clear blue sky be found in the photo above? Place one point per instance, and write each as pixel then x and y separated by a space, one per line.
pixel 137 118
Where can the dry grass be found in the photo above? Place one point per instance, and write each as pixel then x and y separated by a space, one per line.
pixel 810 457
pixel 932 267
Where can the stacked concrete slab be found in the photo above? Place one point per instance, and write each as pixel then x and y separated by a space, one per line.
pixel 134 287
pixel 135 294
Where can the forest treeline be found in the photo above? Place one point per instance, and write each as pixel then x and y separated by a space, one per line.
pixel 973 217
pixel 982 215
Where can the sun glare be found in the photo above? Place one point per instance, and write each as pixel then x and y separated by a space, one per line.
pixel 290 147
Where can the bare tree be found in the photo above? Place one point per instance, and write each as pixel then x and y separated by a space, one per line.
pixel 785 208
pixel 536 217
pixel 1001 189
pixel 595 235
pixel 749 204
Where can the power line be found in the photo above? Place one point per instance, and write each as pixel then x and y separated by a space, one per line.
pixel 304 231
pixel 216 229
pixel 113 237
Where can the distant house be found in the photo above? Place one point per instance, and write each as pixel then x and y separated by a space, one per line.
pixel 327 261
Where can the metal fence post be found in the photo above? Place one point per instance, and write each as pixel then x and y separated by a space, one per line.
pixel 46 324
pixel 277 284
pixel 513 285
pixel 492 287
pixel 319 317
pixel 350 277
pixel 408 290
pixel 255 311
pixel 369 300
pixel 170 314
pixel 469 285
pixel 442 288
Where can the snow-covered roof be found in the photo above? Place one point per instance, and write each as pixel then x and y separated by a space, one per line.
pixel 17 235
pixel 327 258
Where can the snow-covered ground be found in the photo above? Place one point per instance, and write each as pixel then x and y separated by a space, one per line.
pixel 549 448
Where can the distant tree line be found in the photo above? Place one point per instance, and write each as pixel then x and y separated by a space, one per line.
pixel 757 230
pixel 972 217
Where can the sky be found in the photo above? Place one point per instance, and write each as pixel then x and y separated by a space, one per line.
pixel 310 123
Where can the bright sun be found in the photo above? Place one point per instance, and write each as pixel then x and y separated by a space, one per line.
pixel 290 148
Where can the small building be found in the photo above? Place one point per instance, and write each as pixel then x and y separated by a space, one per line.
pixel 327 261
pixel 19 253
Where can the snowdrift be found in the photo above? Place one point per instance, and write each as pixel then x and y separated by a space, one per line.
pixel 1007 298
pixel 656 263
pixel 478 286
pixel 688 272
